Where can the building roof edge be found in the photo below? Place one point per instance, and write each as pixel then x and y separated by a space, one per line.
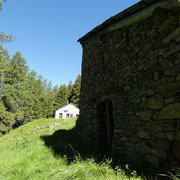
pixel 136 8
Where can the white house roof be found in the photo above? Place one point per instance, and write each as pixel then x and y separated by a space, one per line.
pixel 66 106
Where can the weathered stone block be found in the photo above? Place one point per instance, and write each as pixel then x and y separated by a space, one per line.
pixel 155 102
pixel 135 122
pixel 178 77
pixel 142 148
pixel 132 156
pixel 171 111
pixel 130 113
pixel 161 144
pixel 134 99
pixel 118 131
pixel 123 139
pixel 178 39
pixel 144 99
pixel 127 88
pixel 173 70
pixel 143 134
pixel 172 51
pixel 150 92
pixel 140 128
pixel 164 63
pixel 144 115
pixel 142 105
pixel 153 127
pixel 156 76
pixel 172 36
pixel 159 153
pixel 141 92
pixel 168 127
pixel 169 100
pixel 151 159
pixel 166 135
pixel 133 139
pixel 129 132
pixel 169 86
pixel 155 66
pixel 177 135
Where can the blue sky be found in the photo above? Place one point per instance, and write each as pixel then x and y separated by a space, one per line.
pixel 47 32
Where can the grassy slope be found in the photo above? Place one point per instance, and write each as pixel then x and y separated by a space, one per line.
pixel 23 155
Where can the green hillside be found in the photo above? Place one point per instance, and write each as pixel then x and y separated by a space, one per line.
pixel 40 150
pixel 49 149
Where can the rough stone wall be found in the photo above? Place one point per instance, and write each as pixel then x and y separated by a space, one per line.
pixel 137 67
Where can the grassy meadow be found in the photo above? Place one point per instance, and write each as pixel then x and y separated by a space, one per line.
pixel 46 149
pixel 27 153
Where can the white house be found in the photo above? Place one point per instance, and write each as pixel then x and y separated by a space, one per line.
pixel 67 111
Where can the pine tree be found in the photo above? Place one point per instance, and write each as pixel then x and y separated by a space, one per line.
pixel 61 97
pixel 6 118
pixel 4 56
pixel 14 77
pixel 75 93
pixel 69 88
pixel 47 100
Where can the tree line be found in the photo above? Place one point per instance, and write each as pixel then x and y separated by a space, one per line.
pixel 25 96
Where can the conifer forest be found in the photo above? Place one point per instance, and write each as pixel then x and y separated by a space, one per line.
pixel 24 95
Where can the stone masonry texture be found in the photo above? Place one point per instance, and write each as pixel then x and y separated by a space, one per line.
pixel 137 68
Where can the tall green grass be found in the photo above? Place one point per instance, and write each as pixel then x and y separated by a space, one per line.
pixel 24 156
pixel 176 175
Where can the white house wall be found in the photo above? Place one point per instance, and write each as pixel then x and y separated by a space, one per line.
pixel 68 109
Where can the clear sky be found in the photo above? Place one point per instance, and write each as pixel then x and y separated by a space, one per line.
pixel 47 32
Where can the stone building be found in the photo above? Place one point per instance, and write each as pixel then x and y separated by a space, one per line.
pixel 130 94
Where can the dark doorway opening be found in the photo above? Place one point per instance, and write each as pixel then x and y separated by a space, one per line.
pixel 60 115
pixel 106 122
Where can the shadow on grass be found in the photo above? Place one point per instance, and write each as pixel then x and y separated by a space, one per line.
pixel 67 143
